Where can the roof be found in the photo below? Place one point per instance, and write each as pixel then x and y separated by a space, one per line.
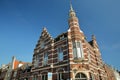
pixel 61 36
pixel 91 43
pixel 17 64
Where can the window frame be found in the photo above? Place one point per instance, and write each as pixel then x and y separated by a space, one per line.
pixel 77 50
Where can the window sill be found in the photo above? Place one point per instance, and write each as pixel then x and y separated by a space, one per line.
pixel 78 60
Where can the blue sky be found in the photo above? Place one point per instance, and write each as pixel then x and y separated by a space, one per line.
pixel 21 23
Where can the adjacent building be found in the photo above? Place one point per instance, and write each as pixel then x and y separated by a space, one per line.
pixel 22 73
pixel 6 71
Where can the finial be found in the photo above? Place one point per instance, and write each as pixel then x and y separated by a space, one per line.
pixel 71 12
pixel 44 28
pixel 71 8
pixel 93 37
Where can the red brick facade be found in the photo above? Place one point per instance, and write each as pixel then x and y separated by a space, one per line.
pixel 69 56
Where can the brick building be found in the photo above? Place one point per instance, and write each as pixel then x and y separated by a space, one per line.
pixel 3 71
pixel 22 73
pixel 110 72
pixel 6 71
pixel 69 56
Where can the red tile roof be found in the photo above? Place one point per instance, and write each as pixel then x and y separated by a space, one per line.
pixel 16 63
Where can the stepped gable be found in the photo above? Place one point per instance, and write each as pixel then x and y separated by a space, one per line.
pixel 45 39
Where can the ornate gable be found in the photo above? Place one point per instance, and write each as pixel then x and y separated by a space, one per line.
pixel 44 41
pixel 43 46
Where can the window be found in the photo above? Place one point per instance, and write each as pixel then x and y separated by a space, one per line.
pixel 89 57
pixel 35 77
pixel 80 76
pixel 62 37
pixel 44 77
pixel 42 44
pixel 15 73
pixel 45 58
pixel 60 76
pixel 92 76
pixel 60 54
pixel 36 61
pixel 74 50
pixel 77 50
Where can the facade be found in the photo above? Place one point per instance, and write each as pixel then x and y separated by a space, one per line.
pixel 69 56
pixel 22 73
pixel 3 71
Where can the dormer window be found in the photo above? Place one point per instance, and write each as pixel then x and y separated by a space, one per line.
pixel 62 37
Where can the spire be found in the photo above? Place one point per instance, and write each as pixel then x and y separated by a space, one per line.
pixel 71 8
pixel 44 29
pixel 71 12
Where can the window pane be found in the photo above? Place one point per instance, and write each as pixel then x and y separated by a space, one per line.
pixel 45 58
pixel 60 54
pixel 46 77
pixel 78 44
pixel 83 75
pixel 79 54
pixel 42 77
pixel 75 52
pixel 60 76
pixel 74 44
pixel 80 76
pixel 42 44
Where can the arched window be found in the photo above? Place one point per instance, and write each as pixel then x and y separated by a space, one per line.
pixel 80 76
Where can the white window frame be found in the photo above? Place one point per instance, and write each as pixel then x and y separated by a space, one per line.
pixel 77 50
